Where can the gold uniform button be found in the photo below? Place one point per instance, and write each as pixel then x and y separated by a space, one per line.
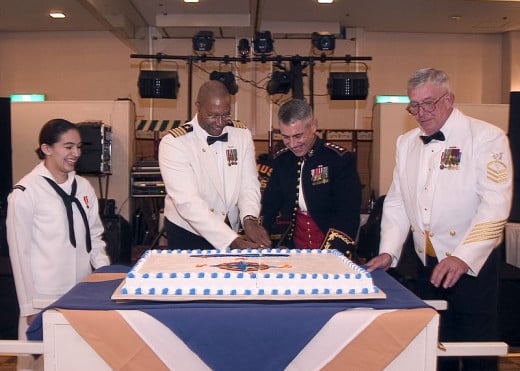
pixel 212 210
pixel 420 251
pixel 452 233
pixel 448 254
pixel 432 234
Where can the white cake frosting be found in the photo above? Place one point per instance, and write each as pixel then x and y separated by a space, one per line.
pixel 226 272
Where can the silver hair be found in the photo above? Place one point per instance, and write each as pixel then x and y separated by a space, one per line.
pixel 294 110
pixel 431 75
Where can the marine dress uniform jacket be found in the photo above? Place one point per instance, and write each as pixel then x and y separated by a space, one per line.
pixel 198 199
pixel 331 186
pixel 463 198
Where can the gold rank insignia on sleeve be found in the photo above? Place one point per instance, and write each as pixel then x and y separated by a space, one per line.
pixel 486 231
pixel 497 169
pixel 238 124
pixel 335 239
pixel 181 130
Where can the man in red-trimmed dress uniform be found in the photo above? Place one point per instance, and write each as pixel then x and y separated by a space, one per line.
pixel 314 185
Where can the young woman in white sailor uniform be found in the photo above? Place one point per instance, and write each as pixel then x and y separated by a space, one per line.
pixel 54 230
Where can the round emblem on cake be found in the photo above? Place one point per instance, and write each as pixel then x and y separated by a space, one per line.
pixel 243 266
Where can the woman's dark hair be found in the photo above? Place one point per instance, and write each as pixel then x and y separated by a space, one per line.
pixel 51 133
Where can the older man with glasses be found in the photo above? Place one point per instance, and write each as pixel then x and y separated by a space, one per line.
pixel 452 188
pixel 209 170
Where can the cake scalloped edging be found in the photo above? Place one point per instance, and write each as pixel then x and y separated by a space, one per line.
pixel 230 252
pixel 249 292
pixel 197 278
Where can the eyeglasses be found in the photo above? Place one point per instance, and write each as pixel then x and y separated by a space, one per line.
pixel 428 106
pixel 224 118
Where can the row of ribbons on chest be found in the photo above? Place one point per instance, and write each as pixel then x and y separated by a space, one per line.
pixel 68 200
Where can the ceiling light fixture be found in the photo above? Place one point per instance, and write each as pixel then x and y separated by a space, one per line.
pixel 325 1
pixel 203 41
pixel 280 83
pixel 243 47
pixel 191 1
pixel 323 41
pixel 263 42
pixel 57 14
pixel 227 78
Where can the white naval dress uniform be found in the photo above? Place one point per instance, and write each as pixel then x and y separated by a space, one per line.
pixel 44 261
pixel 200 191
pixel 464 205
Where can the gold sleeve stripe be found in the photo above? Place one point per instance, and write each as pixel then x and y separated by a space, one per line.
pixel 497 172
pixel 239 124
pixel 486 231
pixel 497 178
pixel 181 130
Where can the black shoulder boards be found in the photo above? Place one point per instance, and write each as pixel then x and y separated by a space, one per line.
pixel 181 130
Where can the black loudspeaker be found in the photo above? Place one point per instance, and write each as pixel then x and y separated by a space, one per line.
pixel 6 174
pixel 96 150
pixel 514 142
pixel 118 237
pixel 158 84
pixel 347 85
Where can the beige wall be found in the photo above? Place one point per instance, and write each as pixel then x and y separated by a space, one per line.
pixel 92 66
pixel 27 118
pixel 392 120
pixel 97 66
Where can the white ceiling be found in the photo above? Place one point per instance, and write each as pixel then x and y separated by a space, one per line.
pixel 132 19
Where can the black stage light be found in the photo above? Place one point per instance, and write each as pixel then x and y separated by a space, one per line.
pixel 227 78
pixel 158 84
pixel 323 41
pixel 203 41
pixel 347 85
pixel 263 42
pixel 280 83
pixel 243 47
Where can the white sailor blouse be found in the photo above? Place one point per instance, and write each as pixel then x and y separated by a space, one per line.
pixel 44 261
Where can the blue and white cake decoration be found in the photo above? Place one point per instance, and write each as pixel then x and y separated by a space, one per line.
pixel 247 273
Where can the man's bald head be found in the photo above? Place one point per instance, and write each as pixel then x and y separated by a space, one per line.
pixel 213 107
pixel 212 89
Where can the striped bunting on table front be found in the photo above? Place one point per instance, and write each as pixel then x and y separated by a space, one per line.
pixel 347 341
pixel 132 340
